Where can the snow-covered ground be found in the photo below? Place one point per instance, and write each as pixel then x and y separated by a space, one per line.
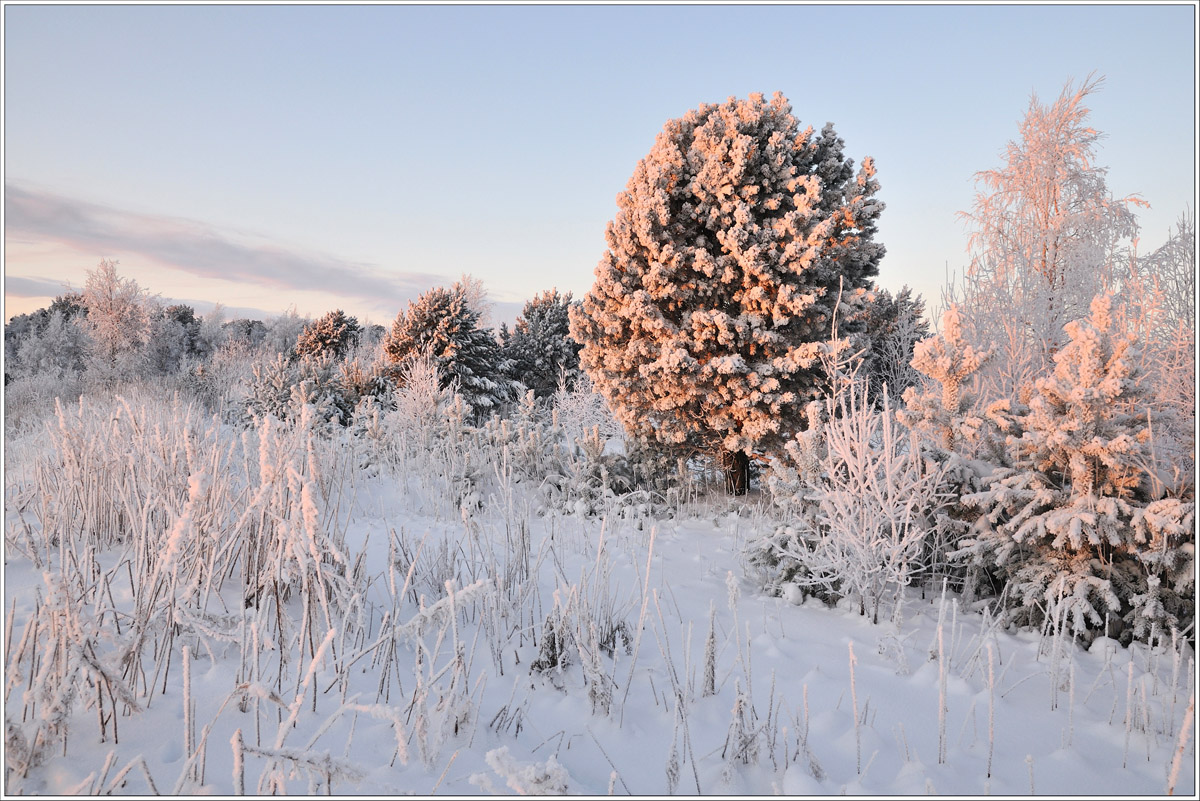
pixel 413 642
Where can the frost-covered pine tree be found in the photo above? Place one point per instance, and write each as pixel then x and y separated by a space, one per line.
pixel 539 351
pixel 894 325
pixel 51 340
pixel 945 416
pixel 717 295
pixel 1079 526
pixel 443 324
pixel 333 334
pixel 58 349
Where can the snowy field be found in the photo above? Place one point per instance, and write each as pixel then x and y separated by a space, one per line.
pixel 191 608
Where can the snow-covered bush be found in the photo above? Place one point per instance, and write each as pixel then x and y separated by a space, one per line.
pixel 333 389
pixel 1079 526
pixel 590 479
pixel 223 381
pixel 45 358
pixel 579 408
pixel 734 241
pixel 270 387
pixel 861 525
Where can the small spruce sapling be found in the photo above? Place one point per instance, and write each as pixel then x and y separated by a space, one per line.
pixel 1076 522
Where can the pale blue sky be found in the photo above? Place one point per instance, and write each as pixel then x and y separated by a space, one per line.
pixel 352 157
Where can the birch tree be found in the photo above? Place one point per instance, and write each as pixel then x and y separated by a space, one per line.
pixel 118 321
pixel 1046 237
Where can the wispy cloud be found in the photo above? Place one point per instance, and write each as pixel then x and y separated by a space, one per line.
pixel 22 287
pixel 198 249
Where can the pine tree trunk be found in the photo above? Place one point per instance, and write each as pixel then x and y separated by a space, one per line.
pixel 737 471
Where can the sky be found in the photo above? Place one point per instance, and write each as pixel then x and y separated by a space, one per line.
pixel 315 157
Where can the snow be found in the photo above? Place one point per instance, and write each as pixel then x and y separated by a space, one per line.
pixel 436 692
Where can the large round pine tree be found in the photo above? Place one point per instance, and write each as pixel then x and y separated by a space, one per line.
pixel 731 245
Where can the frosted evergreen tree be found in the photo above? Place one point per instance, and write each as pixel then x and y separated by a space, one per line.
pixel 716 298
pixel 332 334
pixel 57 349
pixel 539 351
pixel 250 333
pixel 1079 526
pixel 894 325
pixel 443 324
pixel 186 317
pixel 31 339
pixel 945 415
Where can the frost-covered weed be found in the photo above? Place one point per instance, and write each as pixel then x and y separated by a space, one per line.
pixel 537 778
pixel 154 503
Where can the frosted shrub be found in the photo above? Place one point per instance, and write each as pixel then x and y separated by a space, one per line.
pixel 222 381
pixel 422 428
pixel 864 522
pixel 579 408
pixel 318 384
pixel 421 397
pixel 524 442
pixel 788 479
pixel 27 400
pixel 359 380
pixel 658 469
pixel 281 387
pixel 592 480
